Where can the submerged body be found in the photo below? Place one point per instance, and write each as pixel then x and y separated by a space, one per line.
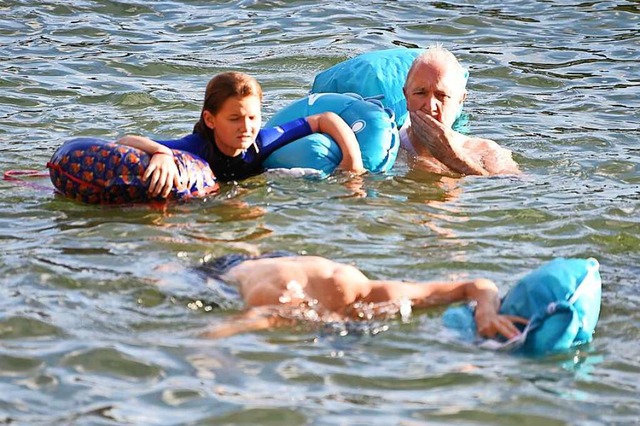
pixel 283 279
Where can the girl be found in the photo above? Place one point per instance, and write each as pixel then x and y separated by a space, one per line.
pixel 228 136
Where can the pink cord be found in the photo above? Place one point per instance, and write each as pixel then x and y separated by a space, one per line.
pixel 21 175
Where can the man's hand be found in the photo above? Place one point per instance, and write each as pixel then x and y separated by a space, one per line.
pixel 433 135
pixel 444 144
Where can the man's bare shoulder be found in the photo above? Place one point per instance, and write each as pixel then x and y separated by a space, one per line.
pixel 496 159
pixel 481 144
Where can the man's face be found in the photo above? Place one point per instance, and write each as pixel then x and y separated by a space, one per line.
pixel 435 90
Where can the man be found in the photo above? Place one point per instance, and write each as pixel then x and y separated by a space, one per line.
pixel 435 91
pixel 280 280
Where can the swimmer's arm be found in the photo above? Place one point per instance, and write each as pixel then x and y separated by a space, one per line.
pixel 423 295
pixel 254 319
pixel 333 125
pixel 162 170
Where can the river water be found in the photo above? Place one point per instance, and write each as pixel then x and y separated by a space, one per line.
pixel 100 318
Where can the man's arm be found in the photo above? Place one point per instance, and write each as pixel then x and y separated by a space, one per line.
pixel 461 154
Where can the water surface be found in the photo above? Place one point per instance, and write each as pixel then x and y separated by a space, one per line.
pixel 89 337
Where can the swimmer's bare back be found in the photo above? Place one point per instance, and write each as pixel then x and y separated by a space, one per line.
pixel 288 280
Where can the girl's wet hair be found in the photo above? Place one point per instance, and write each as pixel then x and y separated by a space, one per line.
pixel 222 87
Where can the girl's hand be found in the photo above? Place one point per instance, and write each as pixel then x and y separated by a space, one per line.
pixel 353 165
pixel 162 169
pixel 162 174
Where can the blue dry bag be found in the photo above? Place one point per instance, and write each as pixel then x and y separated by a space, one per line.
pixel 561 300
pixel 380 74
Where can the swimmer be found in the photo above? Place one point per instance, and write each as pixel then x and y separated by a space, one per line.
pixel 282 279
pixel 434 91
pixel 229 136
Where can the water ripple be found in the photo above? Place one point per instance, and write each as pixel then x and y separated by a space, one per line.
pixel 95 330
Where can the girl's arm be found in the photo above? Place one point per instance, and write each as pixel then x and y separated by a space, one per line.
pixel 162 169
pixel 331 124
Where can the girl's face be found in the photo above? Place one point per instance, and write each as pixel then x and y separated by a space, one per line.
pixel 236 125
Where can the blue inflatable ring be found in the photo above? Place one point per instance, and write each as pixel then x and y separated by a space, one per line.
pixel 99 172
pixel 380 74
pixel 373 125
pixel 561 299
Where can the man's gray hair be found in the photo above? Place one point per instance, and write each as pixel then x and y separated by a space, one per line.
pixel 438 53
